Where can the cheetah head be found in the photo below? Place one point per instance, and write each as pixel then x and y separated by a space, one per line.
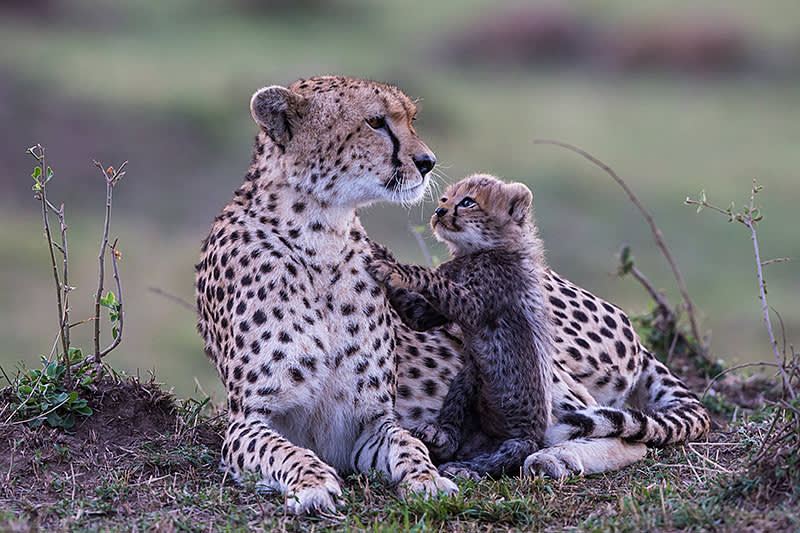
pixel 482 212
pixel 345 141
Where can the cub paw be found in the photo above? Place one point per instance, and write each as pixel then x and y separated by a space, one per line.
pixel 459 470
pixel 380 252
pixel 440 440
pixel 381 270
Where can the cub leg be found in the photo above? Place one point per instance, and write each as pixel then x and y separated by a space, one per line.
pixel 507 459
pixel 308 483
pixel 445 437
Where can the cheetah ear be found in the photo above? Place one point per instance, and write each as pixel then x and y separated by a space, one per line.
pixel 519 203
pixel 278 111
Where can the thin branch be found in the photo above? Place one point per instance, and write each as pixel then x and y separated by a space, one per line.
pixel 656 295
pixel 177 299
pixel 118 338
pixel 111 176
pixel 764 306
pixel 5 375
pixel 42 181
pixel 777 260
pixel 750 221
pixel 731 369
pixel 656 232
pixel 421 243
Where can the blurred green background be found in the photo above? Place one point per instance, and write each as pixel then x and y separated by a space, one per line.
pixel 676 96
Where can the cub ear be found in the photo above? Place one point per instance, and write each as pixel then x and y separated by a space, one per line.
pixel 519 203
pixel 278 111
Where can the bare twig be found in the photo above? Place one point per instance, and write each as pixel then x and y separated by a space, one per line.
pixel 731 369
pixel 111 176
pixel 65 286
pixel 657 235
pixel 118 338
pixel 421 242
pixel 177 299
pixel 777 260
pixel 38 152
pixel 3 370
pixel 749 217
pixel 657 296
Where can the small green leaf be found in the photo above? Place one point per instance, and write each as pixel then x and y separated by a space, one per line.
pixel 36 173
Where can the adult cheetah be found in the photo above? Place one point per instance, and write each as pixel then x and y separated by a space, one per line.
pixel 301 335
pixel 321 374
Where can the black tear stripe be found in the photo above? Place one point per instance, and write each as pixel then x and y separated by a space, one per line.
pixel 393 182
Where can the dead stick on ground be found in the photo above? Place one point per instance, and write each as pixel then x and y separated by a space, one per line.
pixel 656 232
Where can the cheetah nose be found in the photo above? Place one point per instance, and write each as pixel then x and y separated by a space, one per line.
pixel 440 212
pixel 424 163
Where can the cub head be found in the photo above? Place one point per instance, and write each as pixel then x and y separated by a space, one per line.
pixel 483 213
pixel 347 142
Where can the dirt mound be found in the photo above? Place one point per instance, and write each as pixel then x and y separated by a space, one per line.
pixel 135 428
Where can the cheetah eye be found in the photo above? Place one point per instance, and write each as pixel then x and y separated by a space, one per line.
pixel 466 202
pixel 377 123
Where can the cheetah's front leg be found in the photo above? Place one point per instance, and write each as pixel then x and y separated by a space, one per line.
pixel 308 483
pixel 387 447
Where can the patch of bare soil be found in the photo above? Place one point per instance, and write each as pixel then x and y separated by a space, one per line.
pixel 136 434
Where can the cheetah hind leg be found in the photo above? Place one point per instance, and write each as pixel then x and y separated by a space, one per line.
pixel 584 456
pixel 308 484
pixel 389 448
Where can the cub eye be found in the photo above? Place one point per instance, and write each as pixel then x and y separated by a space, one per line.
pixel 466 202
pixel 377 123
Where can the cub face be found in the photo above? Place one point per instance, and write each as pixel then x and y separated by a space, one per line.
pixel 482 212
pixel 345 141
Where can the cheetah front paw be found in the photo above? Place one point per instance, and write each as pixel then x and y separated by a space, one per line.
pixel 316 493
pixel 440 440
pixel 427 485
pixel 553 462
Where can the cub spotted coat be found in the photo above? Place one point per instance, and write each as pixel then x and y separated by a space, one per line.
pixel 497 409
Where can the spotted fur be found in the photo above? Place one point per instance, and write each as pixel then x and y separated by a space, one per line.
pixel 610 396
pixel 301 335
pixel 498 406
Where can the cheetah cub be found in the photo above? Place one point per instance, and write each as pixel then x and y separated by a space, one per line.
pixel 498 406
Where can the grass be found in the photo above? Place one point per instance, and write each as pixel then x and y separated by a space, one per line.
pixel 170 481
